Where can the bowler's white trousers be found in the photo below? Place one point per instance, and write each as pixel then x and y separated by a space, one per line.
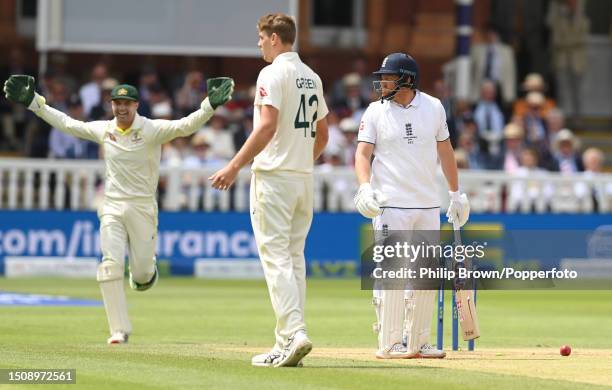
pixel 281 206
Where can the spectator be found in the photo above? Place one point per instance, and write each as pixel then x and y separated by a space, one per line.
pixel 566 153
pixel 530 191
pixel 65 146
pixel 361 69
pixel 37 130
pixel 58 62
pixel 513 147
pixel 462 160
pixel 201 158
pixel 103 110
pixel 349 128
pixel 489 119
pixel 360 66
pixel 443 93
pixel 148 78
pixel 533 120
pixel 157 94
pixel 191 94
pixel 493 60
pixel 555 121
pixel 533 82
pixel 46 82
pixel 92 91
pixel 474 158
pixel 13 116
pixel 352 102
pixel 175 151
pixel 570 29
pixel 338 190
pixel 245 127
pixel 217 133
pixel 463 116
pixel 162 110
pixel 593 159
pixel 336 138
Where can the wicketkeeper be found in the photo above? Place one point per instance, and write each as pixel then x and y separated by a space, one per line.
pixel 132 151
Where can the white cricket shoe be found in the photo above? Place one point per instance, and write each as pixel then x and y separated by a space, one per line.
pixel 397 351
pixel 266 359
pixel 428 351
pixel 299 345
pixel 118 338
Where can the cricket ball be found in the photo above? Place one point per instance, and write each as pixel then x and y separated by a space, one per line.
pixel 565 350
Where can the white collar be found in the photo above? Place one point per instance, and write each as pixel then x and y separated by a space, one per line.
pixel 286 56
pixel 413 103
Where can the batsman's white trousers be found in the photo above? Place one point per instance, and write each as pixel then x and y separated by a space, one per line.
pixel 133 224
pixel 281 213
pixel 393 307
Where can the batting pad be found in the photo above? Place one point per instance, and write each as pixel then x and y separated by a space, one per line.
pixel 391 318
pixel 115 305
pixel 419 326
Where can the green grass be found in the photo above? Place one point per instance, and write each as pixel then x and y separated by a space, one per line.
pixel 201 334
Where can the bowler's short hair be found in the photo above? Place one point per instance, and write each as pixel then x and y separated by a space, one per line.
pixel 281 24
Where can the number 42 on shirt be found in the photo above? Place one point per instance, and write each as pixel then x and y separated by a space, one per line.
pixel 301 118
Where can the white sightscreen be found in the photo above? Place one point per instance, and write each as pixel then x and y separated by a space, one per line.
pixel 202 27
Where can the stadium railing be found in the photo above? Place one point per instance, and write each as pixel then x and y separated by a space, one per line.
pixel 41 184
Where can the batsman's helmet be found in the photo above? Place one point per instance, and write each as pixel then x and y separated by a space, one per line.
pixel 400 64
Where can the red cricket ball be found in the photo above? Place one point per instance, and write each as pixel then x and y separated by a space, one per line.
pixel 565 350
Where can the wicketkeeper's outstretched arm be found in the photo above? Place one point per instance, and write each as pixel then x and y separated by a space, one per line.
pixel 220 91
pixel 21 89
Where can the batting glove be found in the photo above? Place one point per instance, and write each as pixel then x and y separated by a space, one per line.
pixel 366 202
pixel 459 208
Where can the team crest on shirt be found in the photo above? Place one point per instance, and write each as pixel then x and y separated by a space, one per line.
pixel 262 92
pixel 409 134
pixel 136 136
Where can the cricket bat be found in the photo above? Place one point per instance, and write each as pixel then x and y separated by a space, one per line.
pixel 464 299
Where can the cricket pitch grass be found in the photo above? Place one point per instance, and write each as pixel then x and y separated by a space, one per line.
pixel 192 333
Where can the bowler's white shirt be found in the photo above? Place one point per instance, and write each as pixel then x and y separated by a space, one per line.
pixel 405 149
pixel 296 92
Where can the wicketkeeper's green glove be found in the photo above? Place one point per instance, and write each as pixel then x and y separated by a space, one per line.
pixel 220 90
pixel 20 89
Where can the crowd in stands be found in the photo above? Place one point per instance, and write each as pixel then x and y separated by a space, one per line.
pixel 496 128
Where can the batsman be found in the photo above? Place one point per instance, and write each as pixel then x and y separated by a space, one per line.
pixel 407 134
pixel 128 215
